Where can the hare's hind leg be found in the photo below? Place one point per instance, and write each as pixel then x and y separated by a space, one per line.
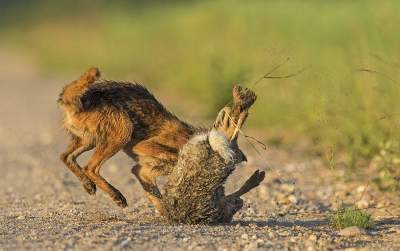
pixel 76 148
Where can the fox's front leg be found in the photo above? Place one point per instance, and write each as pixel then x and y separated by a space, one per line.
pixel 75 148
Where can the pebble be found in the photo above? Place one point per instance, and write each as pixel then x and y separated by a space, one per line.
pixel 250 211
pixel 21 217
pixel 360 189
pixel 282 199
pixel 37 197
pixel 259 241
pixel 312 237
pixel 263 191
pixel 244 236
pixel 293 199
pixel 125 242
pixel 251 246
pixel 352 231
pixel 289 188
pixel 362 204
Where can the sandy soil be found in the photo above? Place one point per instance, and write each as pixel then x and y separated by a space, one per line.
pixel 43 206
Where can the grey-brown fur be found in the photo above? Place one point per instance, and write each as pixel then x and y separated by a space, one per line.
pixel 195 190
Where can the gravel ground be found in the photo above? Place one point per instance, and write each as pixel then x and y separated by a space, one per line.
pixel 43 206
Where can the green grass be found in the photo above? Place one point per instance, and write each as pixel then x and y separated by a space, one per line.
pixel 350 216
pixel 196 50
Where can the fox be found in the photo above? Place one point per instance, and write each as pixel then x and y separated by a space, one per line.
pixel 111 116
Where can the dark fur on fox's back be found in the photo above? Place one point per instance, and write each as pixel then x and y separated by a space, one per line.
pixel 133 98
pixel 121 95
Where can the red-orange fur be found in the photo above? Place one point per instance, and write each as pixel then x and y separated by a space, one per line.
pixel 109 116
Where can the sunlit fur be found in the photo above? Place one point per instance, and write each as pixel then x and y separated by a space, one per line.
pixel 110 116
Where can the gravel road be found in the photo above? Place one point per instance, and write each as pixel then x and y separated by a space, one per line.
pixel 43 206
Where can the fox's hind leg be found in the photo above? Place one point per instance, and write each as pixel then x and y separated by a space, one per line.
pixel 154 160
pixel 117 134
pixel 102 153
pixel 147 174
pixel 76 148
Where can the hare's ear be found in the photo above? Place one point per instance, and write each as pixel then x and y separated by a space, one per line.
pixel 91 75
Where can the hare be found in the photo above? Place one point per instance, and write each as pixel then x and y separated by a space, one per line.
pixel 195 190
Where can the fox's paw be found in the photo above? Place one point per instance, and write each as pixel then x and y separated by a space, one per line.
pixel 90 187
pixel 120 200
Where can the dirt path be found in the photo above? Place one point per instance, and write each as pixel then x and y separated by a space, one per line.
pixel 42 205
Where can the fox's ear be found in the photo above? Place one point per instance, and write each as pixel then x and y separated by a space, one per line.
pixel 91 75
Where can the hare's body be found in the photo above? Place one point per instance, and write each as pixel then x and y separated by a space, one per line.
pixel 195 190
pixel 109 116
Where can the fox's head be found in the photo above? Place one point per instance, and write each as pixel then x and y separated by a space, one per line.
pixel 72 91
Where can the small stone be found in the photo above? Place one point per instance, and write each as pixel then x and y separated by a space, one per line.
pixel 312 237
pixel 292 199
pixel 250 211
pixel 251 246
pixel 284 233
pixel 244 236
pixel 125 242
pixel 362 204
pixel 380 205
pixel 263 191
pixel 352 231
pixel 360 189
pixel 283 212
pixel 21 217
pixel 289 188
pixel 282 199
pixel 310 248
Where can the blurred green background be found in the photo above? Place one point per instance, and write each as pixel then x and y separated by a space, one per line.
pixel 194 51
